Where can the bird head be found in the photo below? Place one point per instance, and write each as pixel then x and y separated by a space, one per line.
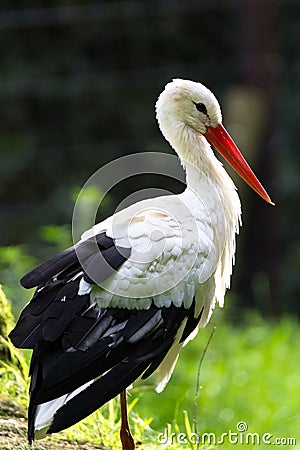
pixel 185 102
pixel 188 108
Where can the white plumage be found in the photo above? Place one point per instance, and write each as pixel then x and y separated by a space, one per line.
pixel 169 261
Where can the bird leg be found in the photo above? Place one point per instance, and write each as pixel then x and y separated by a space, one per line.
pixel 125 434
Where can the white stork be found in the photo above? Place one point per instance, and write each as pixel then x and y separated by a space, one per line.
pixel 120 304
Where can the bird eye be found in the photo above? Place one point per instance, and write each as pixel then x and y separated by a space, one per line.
pixel 201 108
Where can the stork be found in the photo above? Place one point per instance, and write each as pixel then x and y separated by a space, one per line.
pixel 119 305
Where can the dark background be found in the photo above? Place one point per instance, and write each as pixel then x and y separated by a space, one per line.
pixel 78 85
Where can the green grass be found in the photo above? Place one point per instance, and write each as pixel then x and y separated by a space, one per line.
pixel 251 374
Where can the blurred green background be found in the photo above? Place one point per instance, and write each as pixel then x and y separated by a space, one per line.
pixel 78 85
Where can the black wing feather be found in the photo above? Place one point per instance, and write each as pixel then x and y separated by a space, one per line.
pixel 45 271
pixel 119 361
pixel 98 393
pixel 81 361
pixel 27 332
pixel 69 260
pixel 75 342
pixel 56 288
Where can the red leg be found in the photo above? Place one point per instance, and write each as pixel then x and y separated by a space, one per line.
pixel 125 435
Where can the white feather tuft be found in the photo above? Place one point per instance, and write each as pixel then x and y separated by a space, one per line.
pixel 45 411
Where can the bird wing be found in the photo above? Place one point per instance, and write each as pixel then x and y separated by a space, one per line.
pixel 106 312
pixel 58 280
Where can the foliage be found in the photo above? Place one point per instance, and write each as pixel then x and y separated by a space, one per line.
pixel 6 317
pixel 6 325
pixel 12 360
pixel 14 263
pixel 57 238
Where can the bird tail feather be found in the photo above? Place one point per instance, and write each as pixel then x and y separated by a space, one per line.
pixel 65 411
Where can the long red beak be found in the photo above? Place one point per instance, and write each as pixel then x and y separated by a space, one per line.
pixel 220 139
